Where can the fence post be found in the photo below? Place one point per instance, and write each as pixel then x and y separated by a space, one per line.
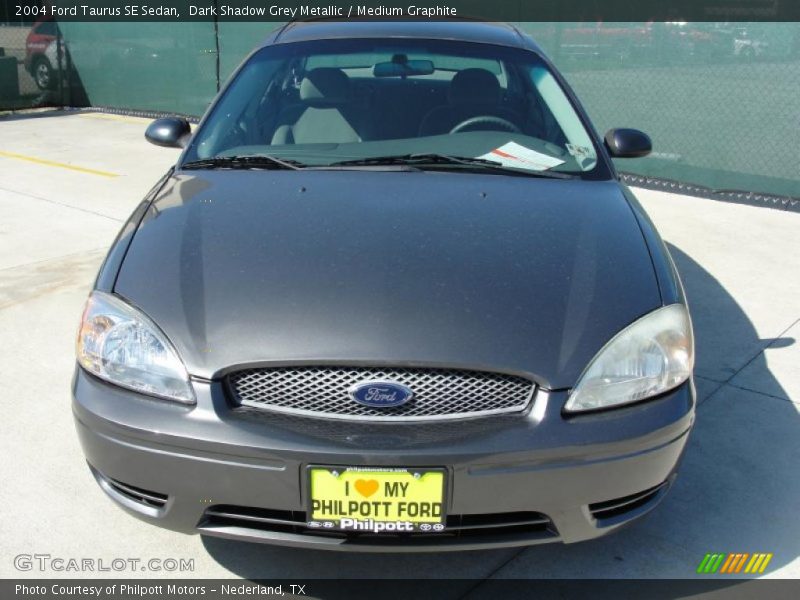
pixel 216 45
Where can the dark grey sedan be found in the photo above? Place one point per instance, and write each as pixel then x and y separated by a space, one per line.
pixel 393 296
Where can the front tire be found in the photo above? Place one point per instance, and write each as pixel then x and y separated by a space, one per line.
pixel 43 74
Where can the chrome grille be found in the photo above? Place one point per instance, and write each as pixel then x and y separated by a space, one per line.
pixel 322 391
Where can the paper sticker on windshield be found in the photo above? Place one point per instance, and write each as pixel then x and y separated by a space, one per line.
pixel 515 155
pixel 579 151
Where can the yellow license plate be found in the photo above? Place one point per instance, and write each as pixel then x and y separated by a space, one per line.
pixel 376 499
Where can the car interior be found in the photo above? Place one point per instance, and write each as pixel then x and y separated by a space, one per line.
pixel 323 109
pixel 335 105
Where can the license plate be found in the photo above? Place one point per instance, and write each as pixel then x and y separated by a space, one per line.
pixel 360 499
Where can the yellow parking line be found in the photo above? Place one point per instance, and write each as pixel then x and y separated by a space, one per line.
pixel 52 163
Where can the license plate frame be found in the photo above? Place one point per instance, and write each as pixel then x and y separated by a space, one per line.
pixel 380 523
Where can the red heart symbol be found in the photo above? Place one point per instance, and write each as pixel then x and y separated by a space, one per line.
pixel 366 487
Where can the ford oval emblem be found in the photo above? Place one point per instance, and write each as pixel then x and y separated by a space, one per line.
pixel 380 394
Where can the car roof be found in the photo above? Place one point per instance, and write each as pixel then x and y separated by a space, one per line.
pixel 500 34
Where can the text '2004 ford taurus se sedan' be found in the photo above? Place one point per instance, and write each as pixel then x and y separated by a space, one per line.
pixel 392 296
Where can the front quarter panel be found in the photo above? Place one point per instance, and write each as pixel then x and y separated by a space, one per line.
pixel 669 282
pixel 107 275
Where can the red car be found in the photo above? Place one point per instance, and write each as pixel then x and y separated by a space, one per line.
pixel 41 53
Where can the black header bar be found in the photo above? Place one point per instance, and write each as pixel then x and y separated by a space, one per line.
pixel 490 10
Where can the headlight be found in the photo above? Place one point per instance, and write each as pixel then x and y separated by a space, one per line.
pixel 120 344
pixel 649 357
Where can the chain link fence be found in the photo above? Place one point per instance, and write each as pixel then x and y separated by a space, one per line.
pixel 720 100
pixel 19 45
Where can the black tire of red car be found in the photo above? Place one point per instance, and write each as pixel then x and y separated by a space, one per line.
pixel 42 72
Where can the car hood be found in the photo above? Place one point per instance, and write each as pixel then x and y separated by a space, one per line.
pixel 521 275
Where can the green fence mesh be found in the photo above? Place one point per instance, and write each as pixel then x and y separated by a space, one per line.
pixel 720 100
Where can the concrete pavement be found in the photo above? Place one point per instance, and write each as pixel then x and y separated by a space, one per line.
pixel 67 181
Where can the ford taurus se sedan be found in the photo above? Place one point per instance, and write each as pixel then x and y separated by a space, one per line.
pixel 393 296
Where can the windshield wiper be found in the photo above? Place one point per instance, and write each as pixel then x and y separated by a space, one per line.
pixel 405 159
pixel 447 159
pixel 256 161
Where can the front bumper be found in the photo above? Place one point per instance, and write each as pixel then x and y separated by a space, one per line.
pixel 182 467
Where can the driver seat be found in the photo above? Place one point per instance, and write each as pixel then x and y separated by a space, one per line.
pixel 473 92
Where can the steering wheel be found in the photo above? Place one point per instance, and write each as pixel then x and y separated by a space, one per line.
pixel 485 120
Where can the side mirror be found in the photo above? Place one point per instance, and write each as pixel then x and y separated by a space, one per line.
pixel 169 132
pixel 628 143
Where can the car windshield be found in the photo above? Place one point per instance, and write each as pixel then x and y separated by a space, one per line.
pixel 363 103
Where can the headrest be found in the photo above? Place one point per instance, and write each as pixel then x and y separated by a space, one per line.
pixel 325 85
pixel 474 86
